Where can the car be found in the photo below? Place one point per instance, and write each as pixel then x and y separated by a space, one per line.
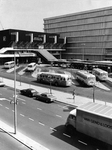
pixel 46 97
pixel 30 92
pixel 31 67
pixel 2 84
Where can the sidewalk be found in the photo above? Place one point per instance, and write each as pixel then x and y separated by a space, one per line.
pixel 63 97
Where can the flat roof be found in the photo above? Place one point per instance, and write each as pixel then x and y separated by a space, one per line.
pixel 95 108
pixel 79 13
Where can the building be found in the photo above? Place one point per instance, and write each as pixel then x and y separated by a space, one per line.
pixel 30 46
pixel 88 33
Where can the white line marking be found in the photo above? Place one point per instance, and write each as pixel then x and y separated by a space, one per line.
pixel 12 110
pixel 39 108
pixel 21 99
pixel 82 142
pixel 23 103
pixel 22 115
pixel 1 105
pixel 31 119
pixel 53 129
pixel 59 116
pixel 41 124
pixel 67 135
pixel 6 107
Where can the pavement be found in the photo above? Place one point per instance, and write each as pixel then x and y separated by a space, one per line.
pixel 62 97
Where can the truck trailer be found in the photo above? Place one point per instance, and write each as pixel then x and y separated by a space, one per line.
pixel 92 119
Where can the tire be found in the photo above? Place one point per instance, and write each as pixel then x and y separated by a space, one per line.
pixel 56 83
pixel 47 101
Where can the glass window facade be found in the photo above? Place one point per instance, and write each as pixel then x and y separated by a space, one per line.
pixel 89 33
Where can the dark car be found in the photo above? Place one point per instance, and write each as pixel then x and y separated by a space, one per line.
pixel 29 92
pixel 46 97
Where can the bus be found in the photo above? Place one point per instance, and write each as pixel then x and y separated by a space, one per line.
pixel 56 79
pixel 86 77
pixel 100 74
pixel 9 64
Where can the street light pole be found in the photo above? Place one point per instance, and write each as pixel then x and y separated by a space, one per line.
pixel 94 93
pixel 15 101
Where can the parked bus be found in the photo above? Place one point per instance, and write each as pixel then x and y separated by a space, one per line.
pixel 9 64
pixel 86 77
pixel 56 79
pixel 100 74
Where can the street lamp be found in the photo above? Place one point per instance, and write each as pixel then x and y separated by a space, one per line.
pixel 83 53
pixel 15 96
pixel 93 88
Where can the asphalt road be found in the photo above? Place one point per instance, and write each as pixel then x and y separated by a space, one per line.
pixel 9 143
pixel 44 123
pixel 80 89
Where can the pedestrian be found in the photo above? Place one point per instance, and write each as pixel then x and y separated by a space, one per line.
pixel 73 94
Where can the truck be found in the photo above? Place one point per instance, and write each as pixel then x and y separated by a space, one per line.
pixel 92 119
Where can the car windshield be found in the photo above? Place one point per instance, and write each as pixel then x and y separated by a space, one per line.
pixel 33 91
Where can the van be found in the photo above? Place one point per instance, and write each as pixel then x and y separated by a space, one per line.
pixel 9 64
pixel 31 67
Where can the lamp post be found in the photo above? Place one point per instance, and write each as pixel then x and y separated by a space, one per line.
pixel 15 100
pixel 83 53
pixel 15 96
pixel 93 89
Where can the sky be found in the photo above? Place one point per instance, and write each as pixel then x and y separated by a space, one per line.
pixel 29 14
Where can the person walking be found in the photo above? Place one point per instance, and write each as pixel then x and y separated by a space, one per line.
pixel 74 94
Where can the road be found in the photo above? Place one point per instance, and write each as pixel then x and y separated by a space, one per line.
pixel 80 89
pixel 9 143
pixel 44 122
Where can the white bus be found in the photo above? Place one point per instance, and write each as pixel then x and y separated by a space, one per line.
pixel 100 74
pixel 86 77
pixel 56 79
pixel 9 64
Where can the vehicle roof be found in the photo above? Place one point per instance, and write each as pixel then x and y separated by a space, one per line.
pixel 99 70
pixel 54 73
pixel 86 73
pixel 32 63
pixel 95 108
pixel 29 89
pixel 9 61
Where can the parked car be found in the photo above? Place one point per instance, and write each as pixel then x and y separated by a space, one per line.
pixel 2 83
pixel 46 97
pixel 29 92
pixel 31 67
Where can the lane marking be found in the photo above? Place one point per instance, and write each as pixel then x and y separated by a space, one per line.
pixel 21 99
pixel 31 119
pixel 6 107
pixel 41 124
pixel 23 103
pixel 1 105
pixel 39 108
pixel 22 115
pixel 12 110
pixel 53 129
pixel 66 135
pixel 59 116
pixel 82 142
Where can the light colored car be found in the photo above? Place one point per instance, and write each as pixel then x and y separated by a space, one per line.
pixel 2 83
pixel 31 67
pixel 46 97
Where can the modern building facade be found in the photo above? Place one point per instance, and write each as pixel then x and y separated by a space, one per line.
pixel 88 33
pixel 29 45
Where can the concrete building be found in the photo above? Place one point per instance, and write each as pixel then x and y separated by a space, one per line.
pixel 30 46
pixel 88 33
